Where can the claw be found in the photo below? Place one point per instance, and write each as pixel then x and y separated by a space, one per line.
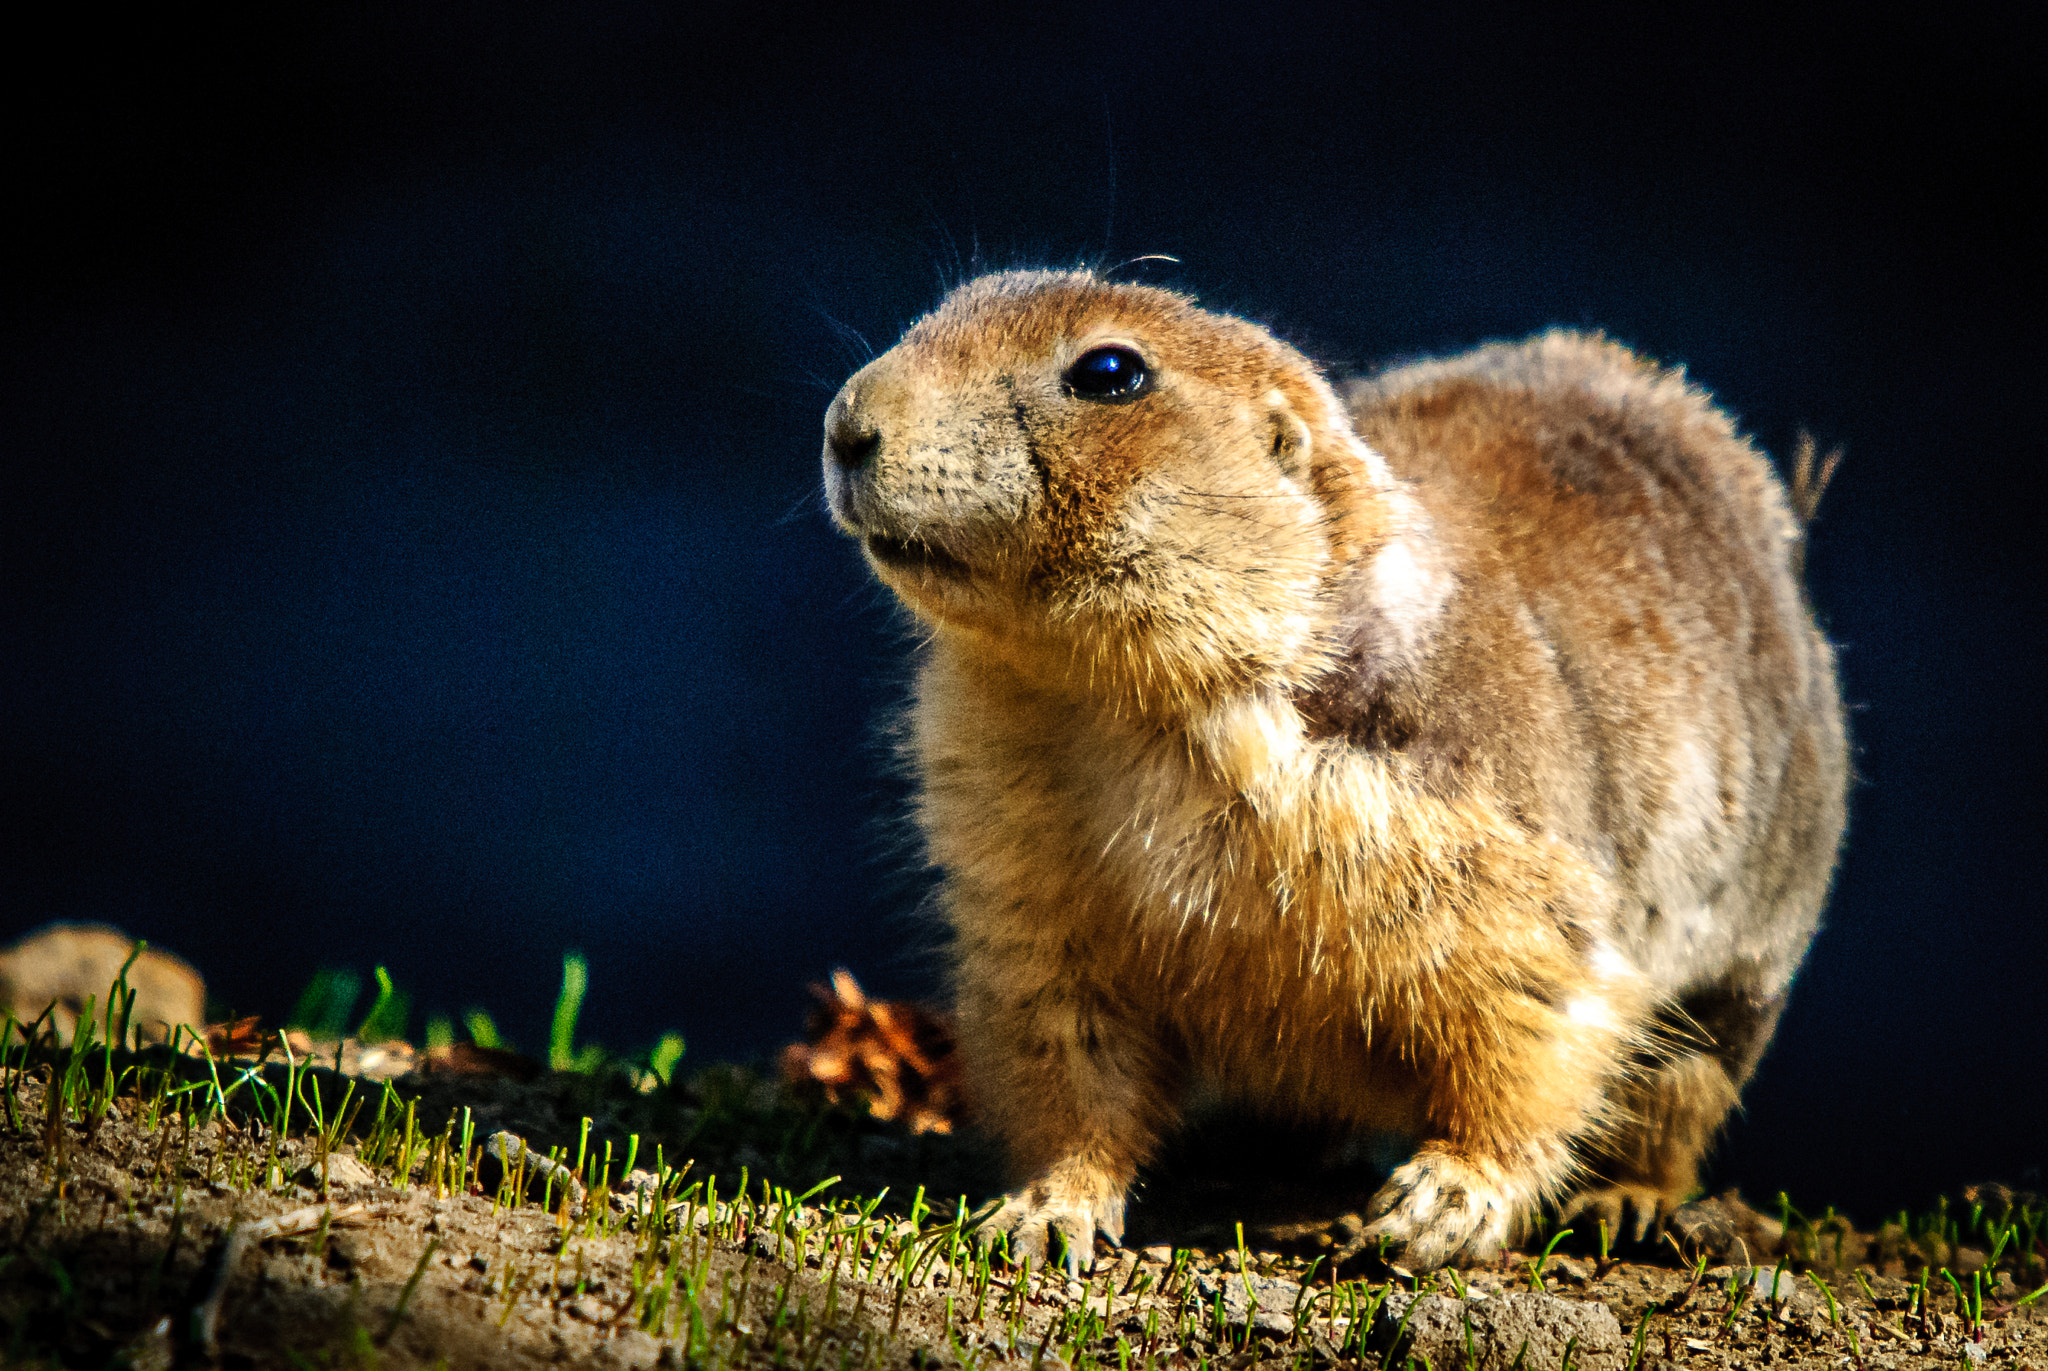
pixel 1617 1205
pixel 1029 1217
pixel 1438 1209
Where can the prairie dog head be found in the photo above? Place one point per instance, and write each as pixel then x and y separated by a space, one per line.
pixel 1110 488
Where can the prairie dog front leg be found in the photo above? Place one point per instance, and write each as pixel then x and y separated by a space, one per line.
pixel 1514 1083
pixel 1073 1081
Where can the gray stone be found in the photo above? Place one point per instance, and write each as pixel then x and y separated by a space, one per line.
pixel 1499 1327
pixel 1275 1300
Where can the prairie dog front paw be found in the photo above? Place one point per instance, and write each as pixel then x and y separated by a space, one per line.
pixel 1074 1202
pixel 1440 1208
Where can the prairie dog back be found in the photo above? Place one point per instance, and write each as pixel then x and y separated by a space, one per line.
pixel 1456 756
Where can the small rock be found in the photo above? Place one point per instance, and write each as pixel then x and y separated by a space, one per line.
pixel 767 1243
pixel 503 1153
pixel 1274 1312
pixel 1569 1268
pixel 386 1060
pixel 588 1309
pixel 341 1170
pixel 1161 1255
pixel 633 1347
pixel 1499 1327
pixel 639 1189
pixel 65 966
pixel 1726 1227
pixel 469 1059
pixel 1777 1288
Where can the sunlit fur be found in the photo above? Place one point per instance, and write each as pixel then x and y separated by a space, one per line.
pixel 1456 758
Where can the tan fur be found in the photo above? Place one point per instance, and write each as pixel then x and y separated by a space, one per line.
pixel 1420 760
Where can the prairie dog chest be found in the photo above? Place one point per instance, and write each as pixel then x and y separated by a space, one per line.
pixel 1024 790
pixel 1170 849
pixel 1246 924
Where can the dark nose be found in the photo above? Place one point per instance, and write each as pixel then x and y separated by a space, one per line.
pixel 851 445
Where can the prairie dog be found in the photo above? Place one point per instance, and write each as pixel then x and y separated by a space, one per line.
pixel 1454 756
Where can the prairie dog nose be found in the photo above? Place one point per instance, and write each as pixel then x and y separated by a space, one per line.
pixel 850 440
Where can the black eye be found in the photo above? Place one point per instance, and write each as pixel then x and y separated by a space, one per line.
pixel 1108 373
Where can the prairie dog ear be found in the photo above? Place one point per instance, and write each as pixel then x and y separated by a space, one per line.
pixel 1292 442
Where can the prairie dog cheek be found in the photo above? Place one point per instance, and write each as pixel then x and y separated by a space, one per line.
pixel 1234 565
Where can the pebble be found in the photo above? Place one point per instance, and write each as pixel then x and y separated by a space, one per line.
pixel 588 1309
pixel 632 1347
pixel 341 1170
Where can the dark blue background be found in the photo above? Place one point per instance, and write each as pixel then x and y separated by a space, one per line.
pixel 412 544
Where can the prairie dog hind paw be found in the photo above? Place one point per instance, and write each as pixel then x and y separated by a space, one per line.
pixel 1638 1212
pixel 1030 1216
pixel 1438 1209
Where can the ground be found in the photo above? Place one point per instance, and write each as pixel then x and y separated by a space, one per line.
pixel 143 1224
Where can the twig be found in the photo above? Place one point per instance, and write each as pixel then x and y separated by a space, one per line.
pixel 206 1314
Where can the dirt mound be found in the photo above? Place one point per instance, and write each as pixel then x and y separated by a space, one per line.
pixel 155 1212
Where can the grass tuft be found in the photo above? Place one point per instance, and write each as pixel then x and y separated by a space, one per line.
pixel 388 1012
pixel 323 1008
pixel 568 1006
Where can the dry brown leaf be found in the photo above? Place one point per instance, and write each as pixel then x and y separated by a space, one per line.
pixel 469 1059
pixel 899 1057
pixel 238 1038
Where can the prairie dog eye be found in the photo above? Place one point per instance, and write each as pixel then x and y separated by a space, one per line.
pixel 1113 374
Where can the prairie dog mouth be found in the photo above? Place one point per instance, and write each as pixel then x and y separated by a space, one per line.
pixel 907 554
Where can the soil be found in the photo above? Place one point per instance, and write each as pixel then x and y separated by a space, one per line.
pixel 151 1239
